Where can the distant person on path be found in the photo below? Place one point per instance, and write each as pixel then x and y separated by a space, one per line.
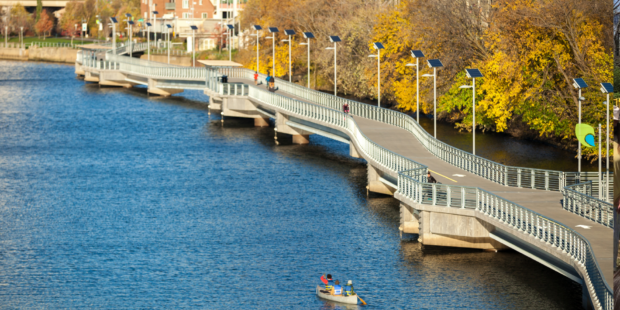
pixel 256 78
pixel 345 108
pixel 430 178
pixel 268 79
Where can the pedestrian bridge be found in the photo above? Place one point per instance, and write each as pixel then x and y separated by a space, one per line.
pixel 539 213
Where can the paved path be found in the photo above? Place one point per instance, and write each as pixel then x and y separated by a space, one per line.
pixel 547 203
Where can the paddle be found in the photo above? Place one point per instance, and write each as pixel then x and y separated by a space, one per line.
pixel 360 298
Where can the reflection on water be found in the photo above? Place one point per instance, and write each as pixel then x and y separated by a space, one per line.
pixel 113 199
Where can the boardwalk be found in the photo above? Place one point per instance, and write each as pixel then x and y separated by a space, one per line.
pixel 393 143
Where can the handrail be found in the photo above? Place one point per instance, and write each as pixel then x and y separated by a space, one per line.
pixel 578 199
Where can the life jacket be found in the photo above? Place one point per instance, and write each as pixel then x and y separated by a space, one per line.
pixel 329 285
pixel 348 290
pixel 337 290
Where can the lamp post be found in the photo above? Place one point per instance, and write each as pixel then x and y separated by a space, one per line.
pixel 607 88
pixel 417 54
pixel 308 36
pixel 473 74
pixel 257 28
pixel 155 26
pixel 130 22
pixel 378 46
pixel 168 27
pixel 434 63
pixel 273 31
pixel 334 39
pixel 83 20
pixel 6 36
pixel 290 33
pixel 579 83
pixel 231 29
pixel 194 28
pixel 114 22
pixel 148 40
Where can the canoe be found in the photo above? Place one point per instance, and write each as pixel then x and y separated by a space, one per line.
pixel 352 300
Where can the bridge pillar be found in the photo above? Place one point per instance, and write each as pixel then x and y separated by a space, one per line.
pixel 374 182
pixel 261 122
pixel 89 77
pixel 353 151
pixel 455 227
pixel 299 136
pixel 409 220
pixel 165 92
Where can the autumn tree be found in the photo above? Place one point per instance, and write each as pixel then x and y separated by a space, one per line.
pixel 45 24
pixel 20 18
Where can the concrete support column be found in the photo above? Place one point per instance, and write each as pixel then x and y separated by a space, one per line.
pixel 299 136
pixel 165 92
pixel 261 122
pixel 353 151
pixel 375 185
pixel 409 217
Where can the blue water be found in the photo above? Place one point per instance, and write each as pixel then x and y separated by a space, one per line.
pixel 111 199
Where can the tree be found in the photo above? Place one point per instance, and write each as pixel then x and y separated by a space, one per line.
pixel 39 9
pixel 20 18
pixel 45 24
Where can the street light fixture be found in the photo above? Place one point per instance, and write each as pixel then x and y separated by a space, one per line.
pixel 607 88
pixel 273 31
pixel 194 28
pixel 378 46
pixel 114 22
pixel 308 36
pixel 417 54
pixel 579 83
pixel 230 34
pixel 168 27
pixel 473 74
pixel 148 40
pixel 290 33
pixel 257 28
pixel 434 63
pixel 334 39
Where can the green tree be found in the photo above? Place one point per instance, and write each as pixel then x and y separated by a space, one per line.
pixel 39 9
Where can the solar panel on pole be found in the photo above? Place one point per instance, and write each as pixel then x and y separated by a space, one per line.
pixel 580 83
pixel 308 35
pixel 608 87
pixel 417 54
pixel 334 39
pixel 473 73
pixel 290 32
pixel 378 45
pixel 434 63
pixel 257 27
pixel 273 29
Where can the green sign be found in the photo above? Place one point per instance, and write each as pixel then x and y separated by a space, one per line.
pixel 585 134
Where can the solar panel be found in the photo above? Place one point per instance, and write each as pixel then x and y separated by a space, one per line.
pixel 193 27
pixel 155 12
pixel 230 26
pixel 417 54
pixel 148 24
pixel 607 87
pixel 434 63
pixel 334 39
pixel 257 27
pixel 290 32
pixel 114 20
pixel 308 35
pixel 273 29
pixel 130 22
pixel 127 15
pixel 378 45
pixel 580 83
pixel 473 73
pixel 169 26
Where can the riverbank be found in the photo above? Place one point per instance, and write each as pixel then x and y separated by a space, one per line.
pixel 34 53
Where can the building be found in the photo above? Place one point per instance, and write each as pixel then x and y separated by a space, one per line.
pixel 178 8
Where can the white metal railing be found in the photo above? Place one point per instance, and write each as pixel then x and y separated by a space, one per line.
pixel 578 199
pixel 51 44
pixel 410 173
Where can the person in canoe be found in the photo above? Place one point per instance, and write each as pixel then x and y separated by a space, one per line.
pixel 337 288
pixel 329 282
pixel 348 289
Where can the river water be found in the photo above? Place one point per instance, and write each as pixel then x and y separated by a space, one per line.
pixel 113 199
